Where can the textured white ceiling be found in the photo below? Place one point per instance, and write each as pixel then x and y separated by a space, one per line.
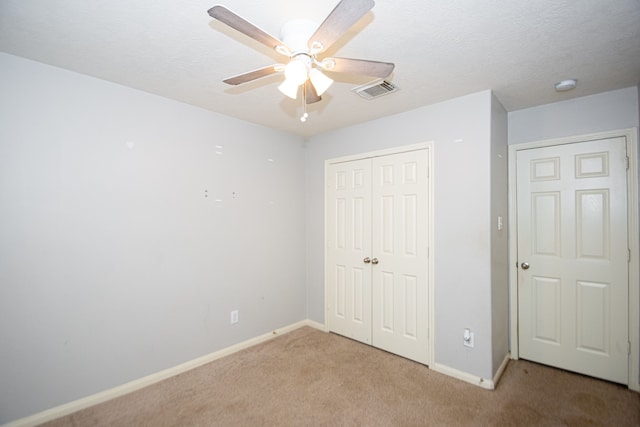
pixel 442 49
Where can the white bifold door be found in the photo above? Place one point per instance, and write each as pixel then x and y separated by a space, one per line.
pixel 377 252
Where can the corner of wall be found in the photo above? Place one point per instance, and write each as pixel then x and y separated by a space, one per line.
pixel 499 236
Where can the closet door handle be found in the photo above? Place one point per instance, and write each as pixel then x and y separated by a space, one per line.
pixel 367 260
pixel 374 261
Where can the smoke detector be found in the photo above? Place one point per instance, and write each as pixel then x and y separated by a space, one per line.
pixel 566 85
pixel 376 89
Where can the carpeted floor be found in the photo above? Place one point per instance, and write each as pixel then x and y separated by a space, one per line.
pixel 311 378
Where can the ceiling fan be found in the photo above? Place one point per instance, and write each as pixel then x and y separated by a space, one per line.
pixel 303 47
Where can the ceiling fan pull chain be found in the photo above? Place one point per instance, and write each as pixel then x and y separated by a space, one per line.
pixel 304 116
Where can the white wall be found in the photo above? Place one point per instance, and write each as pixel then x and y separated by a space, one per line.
pixel 461 131
pixel 113 263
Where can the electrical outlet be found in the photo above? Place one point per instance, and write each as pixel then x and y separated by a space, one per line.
pixel 467 338
pixel 234 317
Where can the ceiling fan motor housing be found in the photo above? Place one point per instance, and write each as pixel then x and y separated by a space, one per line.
pixel 296 33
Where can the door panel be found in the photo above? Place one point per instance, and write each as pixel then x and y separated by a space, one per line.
pixel 572 231
pixel 546 223
pixel 593 317
pixel 400 236
pixel 547 309
pixel 592 218
pixel 348 244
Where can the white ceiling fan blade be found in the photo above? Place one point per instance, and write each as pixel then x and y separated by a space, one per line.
pixel 238 23
pixel 358 66
pixel 341 18
pixel 255 74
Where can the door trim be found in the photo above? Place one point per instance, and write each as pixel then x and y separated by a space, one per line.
pixel 430 240
pixel 631 136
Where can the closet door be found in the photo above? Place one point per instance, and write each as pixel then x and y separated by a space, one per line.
pixel 377 277
pixel 348 267
pixel 400 253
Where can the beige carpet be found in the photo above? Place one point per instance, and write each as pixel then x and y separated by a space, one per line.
pixel 311 378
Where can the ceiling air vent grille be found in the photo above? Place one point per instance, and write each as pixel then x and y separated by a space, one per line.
pixel 375 90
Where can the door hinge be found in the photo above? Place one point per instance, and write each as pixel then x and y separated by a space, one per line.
pixel 627 161
pixel 628 348
pixel 628 255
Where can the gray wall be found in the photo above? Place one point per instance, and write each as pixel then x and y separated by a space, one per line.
pixel 612 110
pixel 113 264
pixel 461 130
pixel 499 238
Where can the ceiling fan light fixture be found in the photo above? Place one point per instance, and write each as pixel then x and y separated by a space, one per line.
pixel 301 41
pixel 296 72
pixel 319 81
pixel 289 89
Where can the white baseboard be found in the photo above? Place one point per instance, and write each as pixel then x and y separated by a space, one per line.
pixel 85 402
pixel 320 326
pixel 501 368
pixel 473 379
pixel 94 399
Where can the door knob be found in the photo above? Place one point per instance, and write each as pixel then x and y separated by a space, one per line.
pixel 367 260
pixel 374 261
pixel 525 265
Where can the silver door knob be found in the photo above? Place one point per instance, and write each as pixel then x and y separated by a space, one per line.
pixel 367 260
pixel 525 265
pixel 374 261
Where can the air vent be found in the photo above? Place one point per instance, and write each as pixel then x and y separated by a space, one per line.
pixel 375 90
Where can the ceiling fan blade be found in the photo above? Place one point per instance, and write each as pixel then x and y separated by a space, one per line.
pixel 341 18
pixel 360 66
pixel 253 75
pixel 236 22
pixel 310 94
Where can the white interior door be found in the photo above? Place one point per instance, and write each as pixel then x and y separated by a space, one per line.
pixel 348 276
pixel 573 257
pixel 377 252
pixel 400 247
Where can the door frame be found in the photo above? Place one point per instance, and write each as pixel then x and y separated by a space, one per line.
pixel 631 136
pixel 430 227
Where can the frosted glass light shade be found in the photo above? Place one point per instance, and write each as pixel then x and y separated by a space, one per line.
pixel 320 81
pixel 288 88
pixel 296 72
